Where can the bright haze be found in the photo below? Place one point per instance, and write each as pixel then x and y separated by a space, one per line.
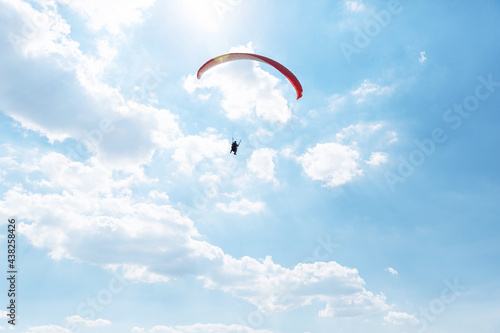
pixel 370 204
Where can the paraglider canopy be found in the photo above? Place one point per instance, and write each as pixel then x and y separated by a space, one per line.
pixel 250 56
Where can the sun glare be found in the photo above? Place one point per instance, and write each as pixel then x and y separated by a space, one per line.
pixel 203 15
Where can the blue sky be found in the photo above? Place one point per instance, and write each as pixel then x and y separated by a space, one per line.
pixel 370 204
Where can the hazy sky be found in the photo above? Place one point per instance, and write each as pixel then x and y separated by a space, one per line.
pixel 371 204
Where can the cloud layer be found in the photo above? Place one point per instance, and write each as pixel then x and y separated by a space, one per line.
pixel 95 203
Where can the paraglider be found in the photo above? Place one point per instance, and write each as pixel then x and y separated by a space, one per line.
pixel 234 146
pixel 250 56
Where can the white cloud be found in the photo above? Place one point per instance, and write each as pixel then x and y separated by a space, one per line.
pixel 358 130
pixel 210 178
pixel 87 322
pixel 137 273
pixel 242 207
pixel 354 5
pixel 377 158
pixel 111 15
pixel 358 95
pixel 288 152
pixel 246 89
pixel 36 33
pixel 87 211
pixel 368 88
pixel 138 330
pixel 262 136
pixel 191 150
pixel 400 318
pixel 392 270
pixel 103 229
pixel 46 65
pixel 159 196
pixel 48 329
pixel 392 137
pixel 337 163
pixel 201 328
pixel 93 211
pixel 422 58
pixel 62 172
pixel 98 209
pixel 261 163
pixel 332 163
pixel 336 101
pixel 113 230
pixel 272 287
pixel 105 50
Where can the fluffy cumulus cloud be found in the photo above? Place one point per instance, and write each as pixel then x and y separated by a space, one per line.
pixel 368 89
pixel 392 270
pixel 261 164
pixel 365 91
pixel 167 236
pixel 47 66
pixel 242 207
pixel 96 204
pixel 358 131
pixel 332 163
pixel 377 158
pixel 422 58
pixel 272 287
pixel 191 150
pixel 252 92
pixel 87 322
pixel 400 318
pixel 86 205
pixel 99 221
pixel 339 162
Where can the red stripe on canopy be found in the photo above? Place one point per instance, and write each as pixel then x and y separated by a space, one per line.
pixel 250 56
